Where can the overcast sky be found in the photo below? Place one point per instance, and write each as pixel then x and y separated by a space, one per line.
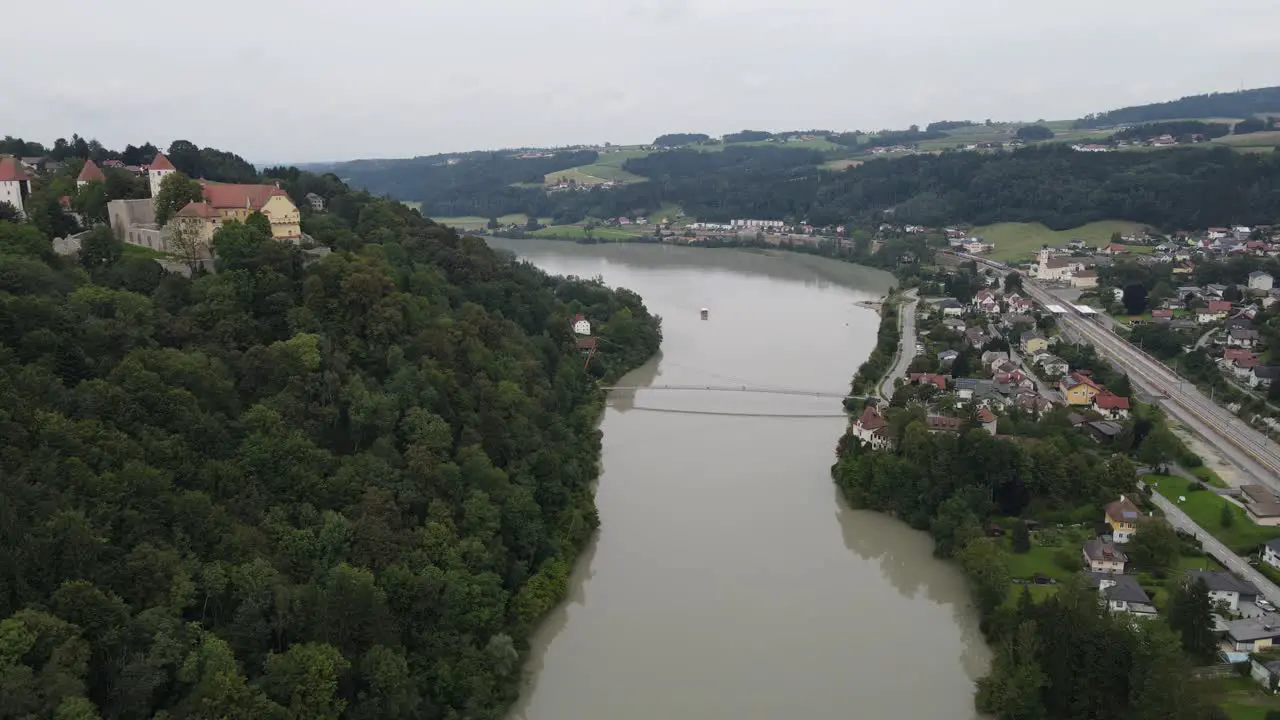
pixel 295 81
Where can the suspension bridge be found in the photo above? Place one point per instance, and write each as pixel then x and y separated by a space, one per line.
pixel 750 389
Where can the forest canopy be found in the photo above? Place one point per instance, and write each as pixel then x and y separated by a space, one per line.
pixel 291 489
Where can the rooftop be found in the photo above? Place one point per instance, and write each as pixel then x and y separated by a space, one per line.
pixel 1254 628
pixel 1221 581
pixel 1122 509
pixel 1098 550
pixel 11 170
pixel 1122 588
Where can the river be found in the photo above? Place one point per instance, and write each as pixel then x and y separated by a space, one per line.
pixel 729 579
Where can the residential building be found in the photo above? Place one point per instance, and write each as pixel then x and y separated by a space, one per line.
pixel 870 428
pixel 1103 557
pixel 89 173
pixel 1271 553
pixel 941 423
pixel 1253 634
pixel 1033 342
pixel 1122 516
pixel 1084 279
pixel 1261 503
pixel 158 170
pixel 1104 431
pixel 1216 310
pixel 228 201
pixel 1053 365
pixel 1122 593
pixel 1161 315
pixel 987 419
pixel 948 356
pixel 15 186
pixel 1239 337
pixel 1261 376
pixel 938 381
pixel 1227 589
pixel 1078 389
pixel 954 324
pixel 1259 280
pixel 950 307
pixel 581 325
pixel 1112 407
pixel 315 201
pixel 1265 671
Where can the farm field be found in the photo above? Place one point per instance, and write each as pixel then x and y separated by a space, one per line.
pixel 841 164
pixel 1021 241
pixel 1269 139
pixel 595 174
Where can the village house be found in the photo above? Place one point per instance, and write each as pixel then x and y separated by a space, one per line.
pixel 870 428
pixel 89 173
pixel 976 337
pixel 950 307
pixel 942 423
pixel 938 381
pixel 1261 376
pixel 1238 595
pixel 1265 670
pixel 15 185
pixel 1052 365
pixel 1122 516
pixel 581 325
pixel 1103 557
pixel 1252 634
pixel 1262 504
pixel 1078 389
pixel 1260 281
pixel 947 357
pixel 987 419
pixel 1239 337
pixel 1161 315
pixel 1271 552
pixel 315 201
pixel 1213 312
pixel 1122 593
pixel 1032 342
pixel 955 325
pixel 1112 407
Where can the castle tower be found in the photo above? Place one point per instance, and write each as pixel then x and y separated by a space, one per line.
pixel 160 169
pixel 14 184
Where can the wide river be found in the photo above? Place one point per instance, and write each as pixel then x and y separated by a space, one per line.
pixel 729 580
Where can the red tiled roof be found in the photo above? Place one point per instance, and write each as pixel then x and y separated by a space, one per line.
pixel 1217 306
pixel 199 210
pixel 1236 353
pixel 11 170
pixel 940 422
pixel 90 173
pixel 160 162
pixel 940 381
pixel 1107 401
pixel 1162 313
pixel 986 416
pixel 229 195
pixel 1245 362
pixel 871 419
pixel 586 343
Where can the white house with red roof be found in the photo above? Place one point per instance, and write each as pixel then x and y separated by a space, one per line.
pixel 15 186
pixel 580 325
pixel 870 428
pixel 1114 407
pixel 89 173
pixel 158 170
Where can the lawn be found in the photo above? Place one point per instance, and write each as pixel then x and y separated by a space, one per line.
pixel 1021 241
pixel 1039 593
pixel 575 232
pixel 1240 697
pixel 1205 508
pixel 1259 139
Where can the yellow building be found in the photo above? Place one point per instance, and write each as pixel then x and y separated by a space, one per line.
pixel 1122 516
pixel 228 201
pixel 1078 389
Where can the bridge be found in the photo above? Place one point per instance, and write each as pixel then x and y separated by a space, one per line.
pixel 732 388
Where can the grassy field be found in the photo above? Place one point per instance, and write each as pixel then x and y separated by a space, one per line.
pixel 576 231
pixel 596 174
pixel 1251 140
pixel 1240 697
pixel 668 211
pixel 1021 241
pixel 1205 508
pixel 840 164
pixel 412 204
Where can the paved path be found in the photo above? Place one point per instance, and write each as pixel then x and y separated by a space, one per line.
pixel 906 343
pixel 1214 547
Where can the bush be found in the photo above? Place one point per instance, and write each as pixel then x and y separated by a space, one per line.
pixel 1068 559
pixel 1195 487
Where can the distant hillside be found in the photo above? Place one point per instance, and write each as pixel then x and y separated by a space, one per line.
pixel 1228 104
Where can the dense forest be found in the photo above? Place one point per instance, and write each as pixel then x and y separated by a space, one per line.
pixel 1182 130
pixel 677 139
pixel 339 489
pixel 1240 104
pixel 486 184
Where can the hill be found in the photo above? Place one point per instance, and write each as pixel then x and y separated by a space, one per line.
pixel 292 489
pixel 1241 104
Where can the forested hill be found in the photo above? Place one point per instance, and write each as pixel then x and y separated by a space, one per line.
pixel 1242 104
pixel 342 490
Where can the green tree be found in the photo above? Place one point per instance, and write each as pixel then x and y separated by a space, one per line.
pixel 1226 518
pixel 91 202
pixel 493 223
pixel 236 245
pixel 1021 538
pixel 176 190
pixel 1122 387
pixel 1013 283
pixel 9 213
pixel 987 568
pixel 1158 448
pixel 304 680
pixel 100 248
pixel 1155 547
pixel 1190 613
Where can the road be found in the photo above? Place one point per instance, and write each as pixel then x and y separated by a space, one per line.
pixel 906 343
pixel 1214 547
pixel 1237 442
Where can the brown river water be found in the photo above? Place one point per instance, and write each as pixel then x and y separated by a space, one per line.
pixel 729 580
